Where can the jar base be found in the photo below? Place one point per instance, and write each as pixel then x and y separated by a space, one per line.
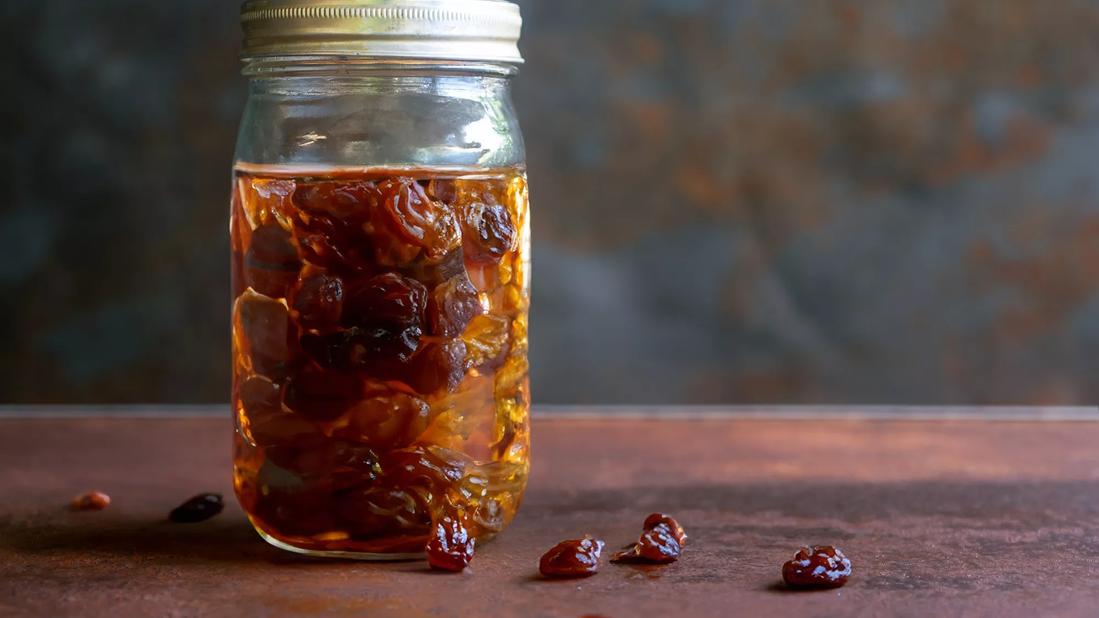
pixel 344 555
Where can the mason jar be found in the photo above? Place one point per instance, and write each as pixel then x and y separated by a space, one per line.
pixel 380 242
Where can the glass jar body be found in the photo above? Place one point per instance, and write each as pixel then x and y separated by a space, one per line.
pixel 380 270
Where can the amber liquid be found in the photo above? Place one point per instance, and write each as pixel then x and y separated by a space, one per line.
pixel 379 354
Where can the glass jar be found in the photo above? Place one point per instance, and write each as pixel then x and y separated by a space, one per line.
pixel 380 271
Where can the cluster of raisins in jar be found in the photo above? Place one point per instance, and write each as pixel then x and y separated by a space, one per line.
pixel 380 373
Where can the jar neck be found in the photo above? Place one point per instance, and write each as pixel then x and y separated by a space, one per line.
pixel 353 66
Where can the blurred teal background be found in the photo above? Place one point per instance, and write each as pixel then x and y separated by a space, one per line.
pixel 735 201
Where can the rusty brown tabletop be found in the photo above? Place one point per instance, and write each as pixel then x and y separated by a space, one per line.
pixel 963 512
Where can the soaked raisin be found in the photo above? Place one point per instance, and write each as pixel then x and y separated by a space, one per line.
pixel 271 262
pixel 488 232
pixel 574 558
pixel 290 505
pixel 90 501
pixel 265 325
pixel 452 305
pixel 431 273
pixel 320 394
pixel 389 299
pixel 381 510
pixel 378 387
pixel 433 467
pixel 486 340
pixel 443 189
pixel 317 298
pixel 265 200
pixel 819 566
pixel 331 243
pixel 437 366
pixel 343 200
pixel 379 351
pixel 451 546
pixel 390 421
pixel 198 508
pixel 409 214
pixel 268 422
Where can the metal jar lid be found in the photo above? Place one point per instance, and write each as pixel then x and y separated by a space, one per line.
pixel 468 30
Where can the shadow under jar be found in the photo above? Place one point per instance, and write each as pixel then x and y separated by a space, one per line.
pixel 380 270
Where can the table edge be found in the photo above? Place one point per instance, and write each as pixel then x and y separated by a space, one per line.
pixel 625 412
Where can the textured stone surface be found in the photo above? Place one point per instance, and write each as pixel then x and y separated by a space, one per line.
pixel 735 200
pixel 939 518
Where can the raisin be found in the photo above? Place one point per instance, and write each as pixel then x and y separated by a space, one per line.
pixel 265 325
pixel 381 510
pixel 387 422
pixel 265 200
pixel 443 189
pixel 487 517
pixel 453 304
pixel 486 340
pixel 437 366
pixel 343 200
pixel 389 300
pixel 677 531
pixel 411 216
pixel 198 508
pixel 819 566
pixel 291 505
pixel 319 394
pixel 378 351
pixel 331 243
pixel 656 545
pixel 574 558
pixel 90 501
pixel 487 231
pixel 271 262
pixel 317 299
pixel 268 422
pixel 660 543
pixel 431 273
pixel 433 467
pixel 451 546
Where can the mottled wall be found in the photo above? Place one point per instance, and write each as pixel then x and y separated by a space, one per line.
pixel 736 201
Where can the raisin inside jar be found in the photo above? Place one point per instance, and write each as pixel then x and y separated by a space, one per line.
pixel 379 354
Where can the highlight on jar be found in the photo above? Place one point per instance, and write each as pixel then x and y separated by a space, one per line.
pixel 379 336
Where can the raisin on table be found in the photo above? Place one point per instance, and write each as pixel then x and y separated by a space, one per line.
pixel 572 558
pixel 660 543
pixel 660 518
pixel 818 566
pixel 198 508
pixel 90 501
pixel 451 547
